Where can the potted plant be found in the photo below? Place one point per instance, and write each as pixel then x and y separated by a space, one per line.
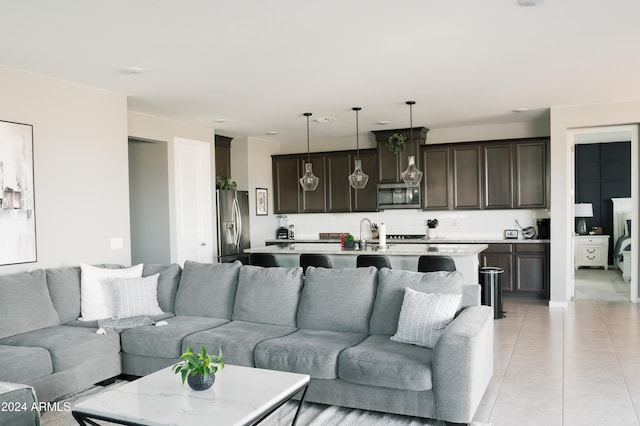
pixel 199 369
pixel 224 182
pixel 349 241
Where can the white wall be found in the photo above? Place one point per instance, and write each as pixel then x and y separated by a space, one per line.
pixel 562 120
pixel 81 170
pixel 144 126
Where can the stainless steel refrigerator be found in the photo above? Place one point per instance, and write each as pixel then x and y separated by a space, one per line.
pixel 233 225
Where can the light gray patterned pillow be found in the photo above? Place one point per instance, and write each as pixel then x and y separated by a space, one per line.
pixel 424 316
pixel 135 296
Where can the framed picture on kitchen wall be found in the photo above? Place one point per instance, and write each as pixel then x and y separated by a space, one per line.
pixel 17 200
pixel 262 203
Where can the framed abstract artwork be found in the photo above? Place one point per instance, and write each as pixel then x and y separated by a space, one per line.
pixel 17 200
pixel 262 206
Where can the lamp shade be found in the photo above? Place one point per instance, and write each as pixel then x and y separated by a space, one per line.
pixel 583 210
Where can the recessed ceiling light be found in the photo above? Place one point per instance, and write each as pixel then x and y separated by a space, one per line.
pixel 530 2
pixel 383 122
pixel 131 70
pixel 272 132
pixel 324 119
pixel 221 120
pixel 520 109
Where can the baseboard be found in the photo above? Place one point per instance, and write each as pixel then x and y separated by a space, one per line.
pixel 553 304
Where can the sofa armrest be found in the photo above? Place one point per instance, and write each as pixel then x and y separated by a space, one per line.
pixel 462 364
pixel 18 405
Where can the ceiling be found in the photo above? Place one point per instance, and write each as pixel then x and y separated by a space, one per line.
pixel 248 67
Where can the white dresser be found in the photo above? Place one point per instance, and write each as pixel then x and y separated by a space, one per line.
pixel 591 250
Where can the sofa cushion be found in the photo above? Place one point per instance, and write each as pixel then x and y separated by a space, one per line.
pixel 390 294
pixel 167 283
pixel 20 364
pixel 268 295
pixel 165 341
pixel 423 317
pixel 378 361
pixel 135 296
pixel 96 296
pixel 337 299
pixel 25 304
pixel 68 346
pixel 312 352
pixel 237 339
pixel 207 289
pixel 64 289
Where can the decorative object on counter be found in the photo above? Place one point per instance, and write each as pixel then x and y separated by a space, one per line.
pixel 511 234
pixel 528 233
pixel 412 176
pixel 432 224
pixel 292 232
pixel 349 241
pixel 580 212
pixel 283 231
pixel 199 369
pixel 262 203
pixel 308 181
pixel 358 179
pixel 596 230
pixel 382 236
pixel 396 143
pixel 225 182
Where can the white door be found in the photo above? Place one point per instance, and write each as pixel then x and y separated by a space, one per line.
pixel 194 208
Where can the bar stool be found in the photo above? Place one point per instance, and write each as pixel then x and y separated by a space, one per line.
pixel 266 260
pixel 378 260
pixel 436 263
pixel 314 259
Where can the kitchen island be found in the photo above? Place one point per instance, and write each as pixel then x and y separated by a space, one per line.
pixel 402 256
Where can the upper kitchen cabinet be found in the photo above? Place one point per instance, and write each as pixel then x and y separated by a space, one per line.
pixel 286 186
pixel 391 165
pixel 466 177
pixel 223 155
pixel 435 184
pixel 498 176
pixel 333 194
pixel 532 174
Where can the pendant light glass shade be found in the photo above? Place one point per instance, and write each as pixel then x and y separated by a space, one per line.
pixel 308 181
pixel 358 179
pixel 412 176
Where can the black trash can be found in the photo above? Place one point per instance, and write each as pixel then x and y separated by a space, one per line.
pixel 491 283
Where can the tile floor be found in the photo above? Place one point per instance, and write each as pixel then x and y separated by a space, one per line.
pixel 574 366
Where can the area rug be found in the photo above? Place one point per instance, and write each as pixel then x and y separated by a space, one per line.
pixel 311 414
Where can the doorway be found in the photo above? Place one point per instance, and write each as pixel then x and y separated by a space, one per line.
pixel 593 147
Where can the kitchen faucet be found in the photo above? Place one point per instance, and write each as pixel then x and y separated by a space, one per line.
pixel 361 222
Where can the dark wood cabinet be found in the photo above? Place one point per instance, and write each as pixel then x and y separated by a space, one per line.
pixel 338 187
pixel 500 256
pixel 532 268
pixel 223 155
pixel 532 175
pixel 498 176
pixel 334 193
pixel 286 187
pixel 390 165
pixel 314 201
pixel 437 194
pixel 525 266
pixel 467 188
pixel 365 200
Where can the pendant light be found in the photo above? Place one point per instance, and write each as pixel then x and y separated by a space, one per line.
pixel 358 179
pixel 412 176
pixel 308 181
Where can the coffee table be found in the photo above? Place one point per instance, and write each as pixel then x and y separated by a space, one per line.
pixel 239 396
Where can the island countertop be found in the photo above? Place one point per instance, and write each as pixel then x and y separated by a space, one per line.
pixel 392 249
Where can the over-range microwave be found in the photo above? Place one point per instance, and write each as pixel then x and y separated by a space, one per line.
pixel 398 196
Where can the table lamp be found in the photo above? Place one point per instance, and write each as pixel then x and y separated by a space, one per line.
pixel 581 211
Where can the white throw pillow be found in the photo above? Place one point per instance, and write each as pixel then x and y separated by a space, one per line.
pixel 423 317
pixel 135 296
pixel 96 295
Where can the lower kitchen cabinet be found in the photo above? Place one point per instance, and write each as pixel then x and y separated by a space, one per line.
pixel 525 265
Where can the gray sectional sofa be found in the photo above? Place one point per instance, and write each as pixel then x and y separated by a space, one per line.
pixel 333 324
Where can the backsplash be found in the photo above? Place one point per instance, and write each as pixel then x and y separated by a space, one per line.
pixel 472 224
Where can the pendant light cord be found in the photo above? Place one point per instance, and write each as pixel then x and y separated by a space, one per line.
pixel 308 114
pixel 356 109
pixel 411 103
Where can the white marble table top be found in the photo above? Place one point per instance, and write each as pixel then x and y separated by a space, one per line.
pixel 392 249
pixel 239 396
